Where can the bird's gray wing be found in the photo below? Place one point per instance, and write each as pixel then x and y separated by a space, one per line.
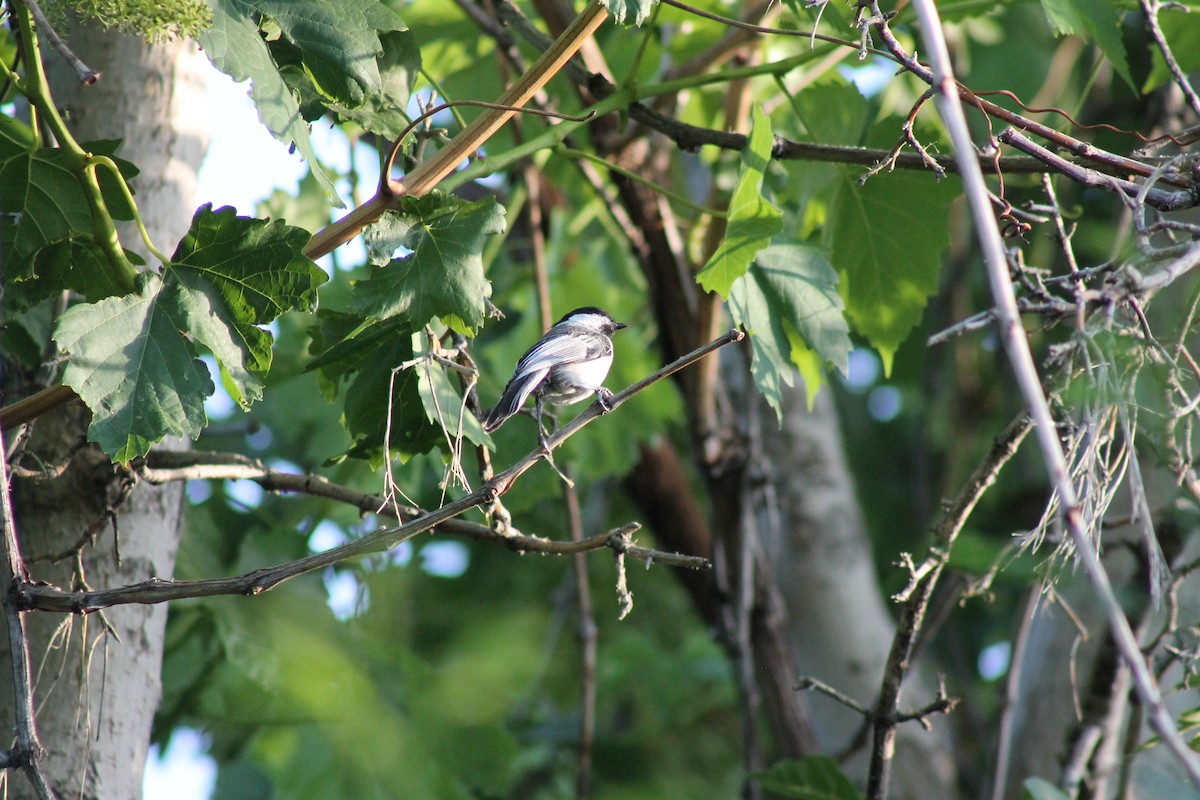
pixel 553 351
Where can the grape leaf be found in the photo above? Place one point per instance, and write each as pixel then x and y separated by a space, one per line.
pixel 629 12
pixel 133 358
pixel 234 274
pixel 235 47
pixel 41 200
pixel 752 219
pixel 887 252
pixel 382 110
pixel 788 302
pixel 442 276
pixel 134 369
pixel 809 778
pixel 1097 20
pixel 46 224
pixel 75 262
pixel 338 40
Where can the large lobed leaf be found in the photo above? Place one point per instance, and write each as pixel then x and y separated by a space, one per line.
pixel 134 370
pixel 133 358
pixel 234 274
pixel 442 274
pixel 338 40
pixel 752 219
pixel 339 45
pixel 47 235
pixel 384 111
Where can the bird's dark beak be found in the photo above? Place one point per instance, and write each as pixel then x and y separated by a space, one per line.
pixel 618 325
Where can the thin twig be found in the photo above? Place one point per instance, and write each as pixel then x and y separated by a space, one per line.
pixel 86 74
pixel 1017 347
pixel 28 752
pixel 885 716
pixel 1151 8
pixel 588 636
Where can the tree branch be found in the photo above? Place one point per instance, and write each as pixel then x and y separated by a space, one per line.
pixel 28 595
pixel 1016 345
pixel 427 175
pixel 28 751
pixel 886 715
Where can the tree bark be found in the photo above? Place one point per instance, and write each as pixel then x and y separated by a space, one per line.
pixel 814 534
pixel 98 680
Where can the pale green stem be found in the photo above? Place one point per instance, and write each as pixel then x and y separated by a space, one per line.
pixel 104 161
pixel 37 89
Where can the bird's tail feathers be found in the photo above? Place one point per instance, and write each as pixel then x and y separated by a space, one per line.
pixel 515 395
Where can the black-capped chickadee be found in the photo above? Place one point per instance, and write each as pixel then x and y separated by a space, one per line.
pixel 567 365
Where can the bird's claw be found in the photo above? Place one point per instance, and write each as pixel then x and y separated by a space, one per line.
pixel 604 398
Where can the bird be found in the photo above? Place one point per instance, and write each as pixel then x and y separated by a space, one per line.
pixel 566 365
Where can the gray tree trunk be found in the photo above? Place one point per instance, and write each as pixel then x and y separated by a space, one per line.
pixel 98 677
pixel 840 625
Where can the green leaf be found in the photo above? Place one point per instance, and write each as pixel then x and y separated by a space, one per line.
pixel 235 46
pixel 231 274
pixel 807 289
pixel 752 219
pixel 1096 20
pixel 134 369
pixel 1041 789
pixel 366 406
pixel 886 240
pixel 338 40
pixel 442 276
pixel 75 262
pixel 382 110
pixel 788 302
pixel 810 778
pixel 41 199
pixel 629 12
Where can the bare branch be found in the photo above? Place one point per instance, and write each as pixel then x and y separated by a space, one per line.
pixel 1151 8
pixel 1158 198
pixel 86 74
pixel 28 751
pixel 156 590
pixel 885 716
pixel 950 108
